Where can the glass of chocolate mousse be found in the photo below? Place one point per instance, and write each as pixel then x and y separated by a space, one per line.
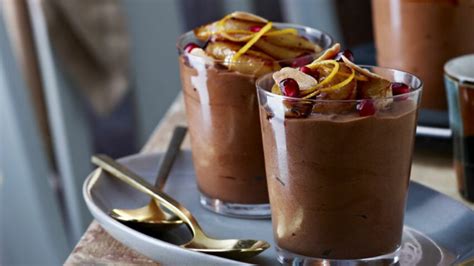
pixel 435 30
pixel 219 64
pixel 338 141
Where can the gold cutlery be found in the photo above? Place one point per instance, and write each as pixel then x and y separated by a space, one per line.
pixel 152 217
pixel 228 248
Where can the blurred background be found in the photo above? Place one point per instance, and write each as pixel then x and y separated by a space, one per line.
pixel 85 77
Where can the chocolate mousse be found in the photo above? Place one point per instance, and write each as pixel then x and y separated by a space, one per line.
pixel 342 191
pixel 221 109
pixel 219 64
pixel 419 36
pixel 338 156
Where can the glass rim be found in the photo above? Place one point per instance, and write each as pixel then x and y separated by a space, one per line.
pixel 308 30
pixel 414 91
pixel 454 74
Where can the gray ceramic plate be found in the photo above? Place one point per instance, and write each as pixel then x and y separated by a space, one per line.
pixel 438 230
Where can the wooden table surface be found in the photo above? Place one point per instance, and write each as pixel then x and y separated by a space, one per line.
pixel 97 247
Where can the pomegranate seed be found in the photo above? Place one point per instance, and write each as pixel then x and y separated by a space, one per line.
pixel 255 28
pixel 366 108
pixel 302 60
pixel 347 53
pixel 400 88
pixel 309 71
pixel 190 46
pixel 306 70
pixel 290 87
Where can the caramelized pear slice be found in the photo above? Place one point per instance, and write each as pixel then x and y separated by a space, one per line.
pixel 247 16
pixel 292 41
pixel 229 27
pixel 376 87
pixel 201 53
pixel 305 81
pixel 279 52
pixel 329 53
pixel 361 70
pixel 347 92
pixel 276 89
pixel 251 63
pixel 223 49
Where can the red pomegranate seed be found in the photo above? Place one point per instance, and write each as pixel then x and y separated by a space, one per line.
pixel 306 70
pixel 290 87
pixel 255 28
pixel 190 46
pixel 302 60
pixel 347 53
pixel 366 108
pixel 309 71
pixel 399 88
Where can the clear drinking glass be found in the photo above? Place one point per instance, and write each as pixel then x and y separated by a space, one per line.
pixel 459 82
pixel 222 114
pixel 337 180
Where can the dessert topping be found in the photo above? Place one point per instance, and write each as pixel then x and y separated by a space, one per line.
pixel 309 71
pixel 253 40
pixel 366 108
pixel 255 28
pixel 246 16
pixel 347 53
pixel 400 88
pixel 304 81
pixel 197 51
pixel 329 53
pixel 290 87
pixel 302 60
pixel 339 78
pixel 190 46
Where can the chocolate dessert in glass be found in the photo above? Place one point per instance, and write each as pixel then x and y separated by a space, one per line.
pixel 338 141
pixel 219 64
pixel 436 30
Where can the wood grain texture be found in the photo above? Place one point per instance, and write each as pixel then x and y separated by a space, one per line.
pixel 97 247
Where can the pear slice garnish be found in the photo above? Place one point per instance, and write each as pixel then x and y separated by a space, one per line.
pixel 201 53
pixel 252 62
pixel 305 81
pixel 329 53
pixel 376 87
pixel 247 16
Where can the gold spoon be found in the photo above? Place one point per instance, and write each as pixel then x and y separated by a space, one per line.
pixel 152 217
pixel 228 248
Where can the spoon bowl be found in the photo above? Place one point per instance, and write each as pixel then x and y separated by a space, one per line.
pixel 230 248
pixel 151 216
pixel 227 248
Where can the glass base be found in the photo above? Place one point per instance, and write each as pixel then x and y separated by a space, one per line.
pixel 288 258
pixel 239 210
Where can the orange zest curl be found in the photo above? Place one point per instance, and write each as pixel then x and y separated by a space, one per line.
pixel 252 41
pixel 340 84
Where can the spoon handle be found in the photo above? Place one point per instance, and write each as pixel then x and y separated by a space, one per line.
pixel 129 177
pixel 166 161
